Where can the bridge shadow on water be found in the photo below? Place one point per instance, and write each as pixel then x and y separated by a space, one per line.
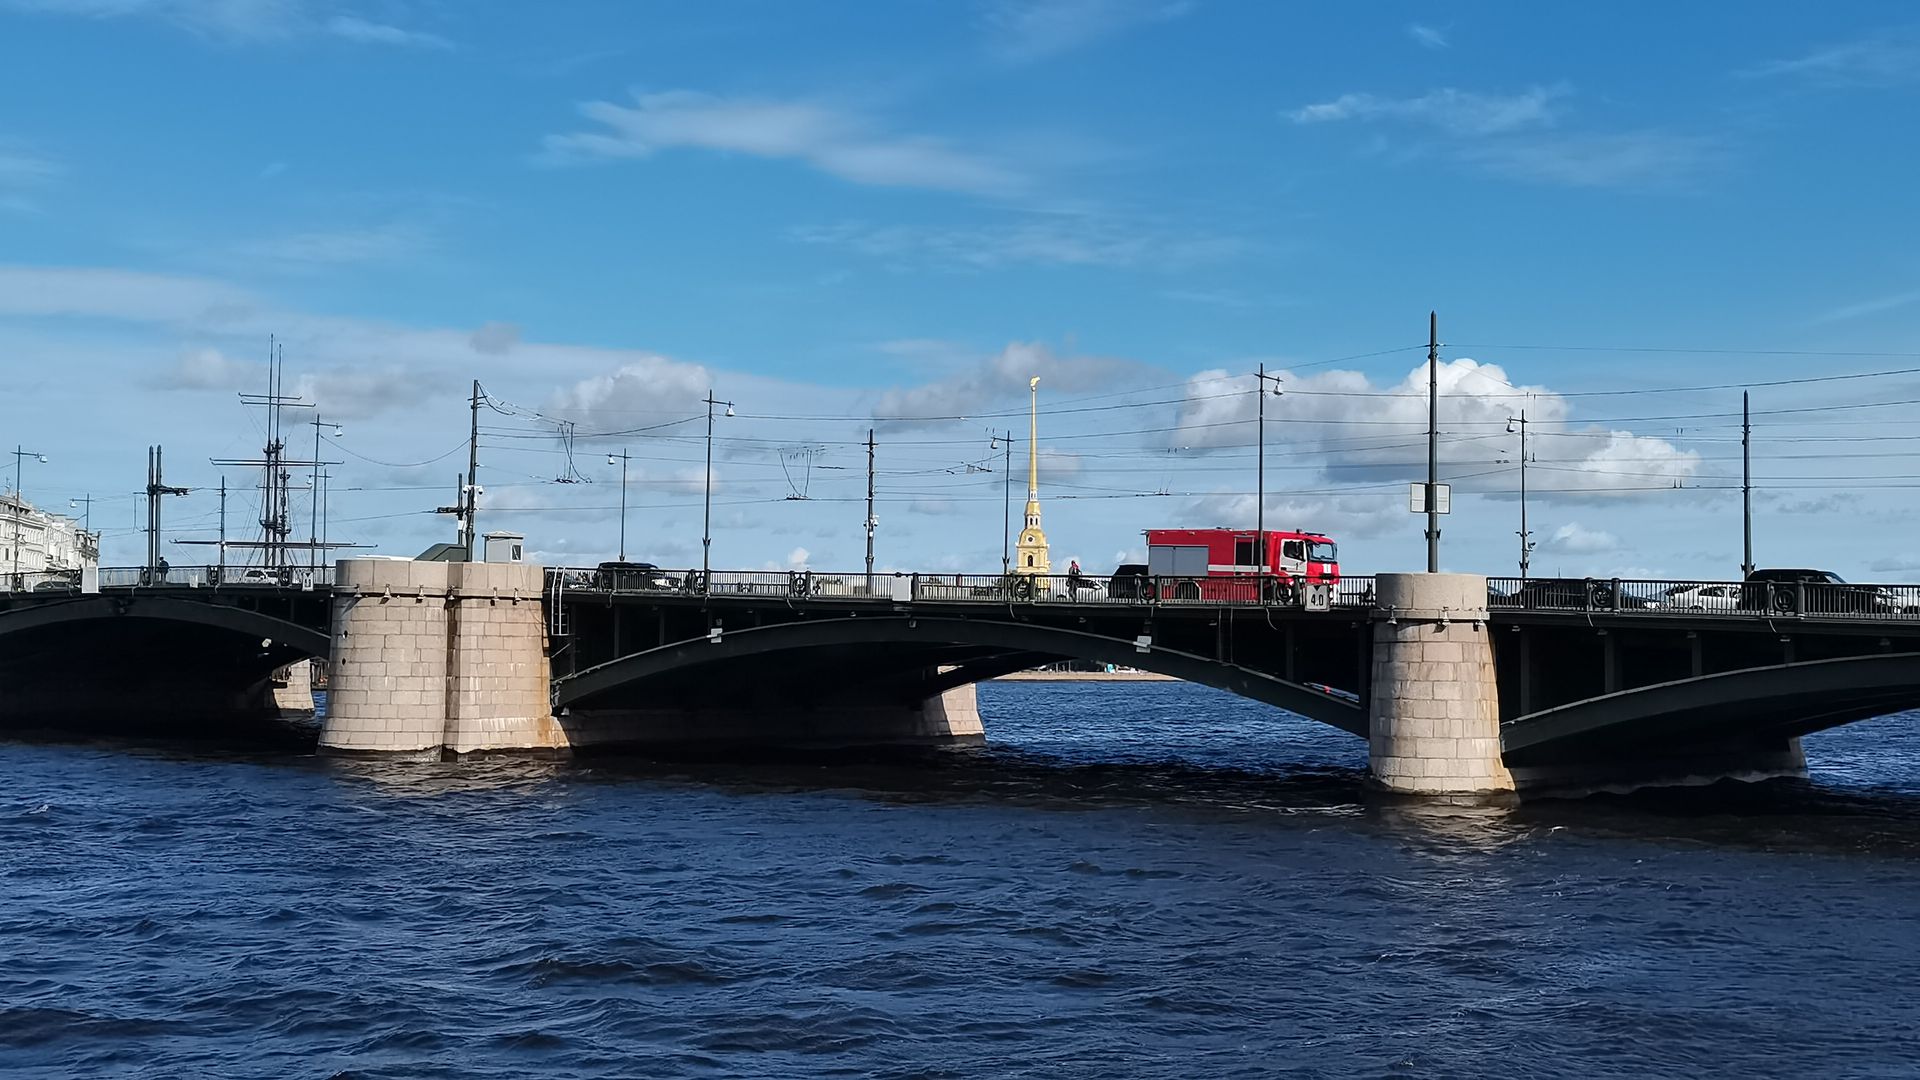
pixel 1174 754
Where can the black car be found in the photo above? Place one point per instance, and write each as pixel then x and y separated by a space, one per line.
pixel 1130 582
pixel 1570 594
pixel 620 576
pixel 1792 590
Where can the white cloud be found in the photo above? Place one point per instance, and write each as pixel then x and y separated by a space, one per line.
pixel 833 141
pixel 1362 435
pixel 1456 112
pixel 1027 30
pixel 1887 58
pixel 1427 36
pixel 1574 538
pixel 1066 240
pixel 339 247
pixel 1870 307
pixel 496 338
pixel 237 20
pixel 356 29
pixel 127 295
pixel 23 172
pixel 1002 378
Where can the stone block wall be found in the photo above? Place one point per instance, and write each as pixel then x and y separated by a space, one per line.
pixel 1434 713
pixel 430 658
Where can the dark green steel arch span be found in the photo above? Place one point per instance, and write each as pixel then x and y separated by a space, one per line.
pixel 581 688
pixel 303 639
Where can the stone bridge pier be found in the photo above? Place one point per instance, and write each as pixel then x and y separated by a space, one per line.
pixel 1434 715
pixel 434 659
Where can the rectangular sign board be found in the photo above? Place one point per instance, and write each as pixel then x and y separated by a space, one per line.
pixel 1442 498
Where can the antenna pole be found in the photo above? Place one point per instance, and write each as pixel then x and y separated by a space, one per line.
pixel 1260 472
pixel 1433 441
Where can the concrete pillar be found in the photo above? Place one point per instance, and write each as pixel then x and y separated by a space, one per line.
pixel 387 679
pixel 1434 710
pixel 499 683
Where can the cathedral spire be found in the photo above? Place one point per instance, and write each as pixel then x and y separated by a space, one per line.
pixel 1032 552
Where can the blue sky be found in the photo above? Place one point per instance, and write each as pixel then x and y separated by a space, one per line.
pixel 847 215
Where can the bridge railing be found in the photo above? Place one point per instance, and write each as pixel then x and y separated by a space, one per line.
pixel 1747 599
pixel 1119 590
pixel 193 577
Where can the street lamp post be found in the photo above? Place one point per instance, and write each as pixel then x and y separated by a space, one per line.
pixel 1261 379
pixel 623 457
pixel 706 527
pixel 313 517
pixel 20 456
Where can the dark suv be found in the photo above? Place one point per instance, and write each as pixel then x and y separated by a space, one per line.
pixel 1130 582
pixel 1793 590
pixel 1569 594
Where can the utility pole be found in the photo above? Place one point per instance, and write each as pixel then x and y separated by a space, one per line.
pixel 870 519
pixel 1261 378
pixel 622 457
pixel 20 456
pixel 471 502
pixel 706 527
pixel 1746 485
pixel 222 556
pixel 315 519
pixel 1433 441
pixel 1526 536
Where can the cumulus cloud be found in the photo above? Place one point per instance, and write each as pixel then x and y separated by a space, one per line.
pixel 1574 538
pixel 640 393
pixel 355 393
pixel 1361 433
pixel 208 369
pixel 1000 378
pixel 1340 516
pixel 831 140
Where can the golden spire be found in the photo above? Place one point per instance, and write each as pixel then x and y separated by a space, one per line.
pixel 1033 440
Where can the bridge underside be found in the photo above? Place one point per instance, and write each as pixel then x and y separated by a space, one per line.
pixel 155 665
pixel 886 679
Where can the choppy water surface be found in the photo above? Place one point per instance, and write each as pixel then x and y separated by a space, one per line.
pixel 1141 880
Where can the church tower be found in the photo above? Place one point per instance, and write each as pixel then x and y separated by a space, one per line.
pixel 1030 556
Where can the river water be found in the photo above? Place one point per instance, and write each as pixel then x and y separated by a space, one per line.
pixel 1134 880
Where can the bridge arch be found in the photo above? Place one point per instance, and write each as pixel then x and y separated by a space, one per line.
pixel 289 636
pixel 1001 646
pixel 1786 700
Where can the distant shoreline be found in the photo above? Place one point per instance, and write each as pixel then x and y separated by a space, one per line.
pixel 1085 676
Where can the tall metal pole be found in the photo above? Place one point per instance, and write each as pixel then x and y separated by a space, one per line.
pixel 870 523
pixel 313 515
pixel 223 526
pixel 1526 536
pixel 1260 470
pixel 1006 507
pixel 706 527
pixel 625 456
pixel 472 501
pixel 1433 441
pixel 1746 486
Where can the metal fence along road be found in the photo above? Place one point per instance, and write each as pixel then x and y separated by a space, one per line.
pixel 1747 599
pixel 192 577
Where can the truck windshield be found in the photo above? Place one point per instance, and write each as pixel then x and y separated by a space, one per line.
pixel 1322 551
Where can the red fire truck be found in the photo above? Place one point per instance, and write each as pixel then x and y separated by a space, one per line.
pixel 1226 564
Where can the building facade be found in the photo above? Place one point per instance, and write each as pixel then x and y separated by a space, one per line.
pixel 33 541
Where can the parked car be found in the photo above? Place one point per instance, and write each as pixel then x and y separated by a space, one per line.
pixel 1572 594
pixel 635 575
pixel 1794 590
pixel 1700 598
pixel 1083 589
pixel 1130 582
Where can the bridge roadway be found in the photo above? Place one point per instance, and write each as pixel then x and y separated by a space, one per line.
pixel 1611 675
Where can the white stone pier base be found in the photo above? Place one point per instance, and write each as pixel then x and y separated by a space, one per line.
pixel 432 659
pixel 292 688
pixel 1434 711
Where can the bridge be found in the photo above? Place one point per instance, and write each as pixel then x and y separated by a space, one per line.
pixel 1460 683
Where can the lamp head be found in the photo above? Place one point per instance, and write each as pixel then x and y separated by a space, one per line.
pixel 1510 425
pixel 729 410
pixel 611 459
pixel 338 431
pixel 41 458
